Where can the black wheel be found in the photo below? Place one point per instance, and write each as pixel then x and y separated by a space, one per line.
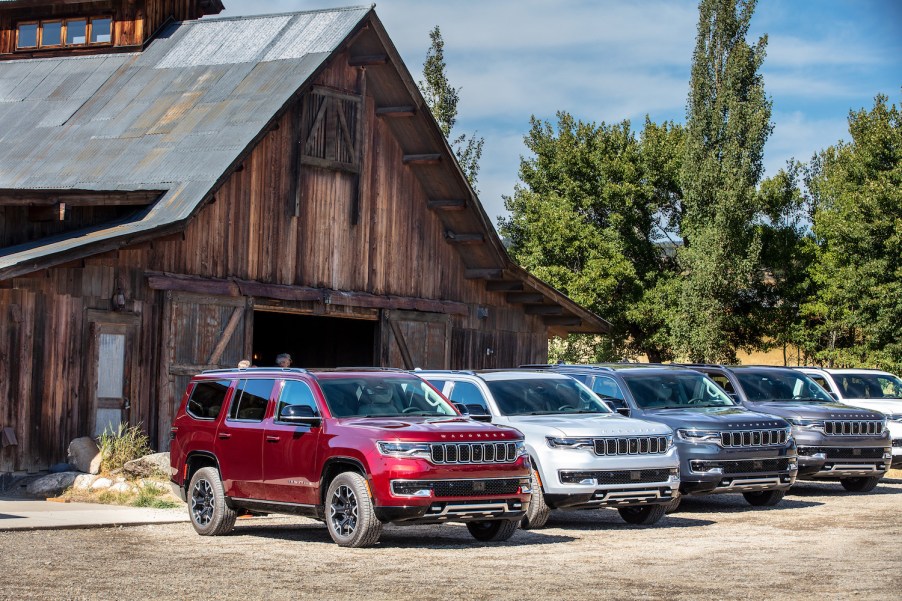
pixel 207 507
pixel 764 498
pixel 673 506
pixel 645 515
pixel 492 530
pixel 538 512
pixel 860 484
pixel 350 516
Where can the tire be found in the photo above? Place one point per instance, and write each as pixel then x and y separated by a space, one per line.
pixel 764 498
pixel 860 484
pixel 350 517
pixel 207 507
pixel 674 505
pixel 538 512
pixel 492 530
pixel 645 515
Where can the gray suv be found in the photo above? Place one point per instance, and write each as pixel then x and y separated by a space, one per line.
pixel 835 441
pixel 724 447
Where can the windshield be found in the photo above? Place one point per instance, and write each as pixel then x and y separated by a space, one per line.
pixel 779 385
pixel 675 390
pixel 540 396
pixel 378 396
pixel 869 386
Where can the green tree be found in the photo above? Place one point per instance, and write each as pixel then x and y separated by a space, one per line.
pixel 855 315
pixel 442 99
pixel 728 122
pixel 588 217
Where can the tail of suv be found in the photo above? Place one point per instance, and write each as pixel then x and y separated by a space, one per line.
pixel 354 448
pixel 724 448
pixel 834 441
pixel 585 456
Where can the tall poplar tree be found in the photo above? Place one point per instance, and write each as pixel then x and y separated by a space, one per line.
pixel 727 124
pixel 442 99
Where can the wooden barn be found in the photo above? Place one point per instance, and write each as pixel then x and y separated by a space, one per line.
pixel 177 194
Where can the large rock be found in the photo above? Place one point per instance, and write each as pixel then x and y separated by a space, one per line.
pixel 156 464
pixel 84 455
pixel 84 481
pixel 101 484
pixel 52 485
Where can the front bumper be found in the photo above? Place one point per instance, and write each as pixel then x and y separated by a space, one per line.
pixel 712 469
pixel 580 479
pixel 457 510
pixel 823 457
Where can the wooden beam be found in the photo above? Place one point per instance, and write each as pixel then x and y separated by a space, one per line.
pixel 368 60
pixel 562 320
pixel 484 274
pixel 525 297
pixel 279 291
pixel 447 205
pixel 406 303
pixel 327 164
pixel 544 310
pixel 227 333
pixel 396 111
pixel 77 197
pixel 456 238
pixel 504 286
pixel 422 159
pixel 402 344
pixel 197 285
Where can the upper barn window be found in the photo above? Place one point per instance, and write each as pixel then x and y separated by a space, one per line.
pixel 60 33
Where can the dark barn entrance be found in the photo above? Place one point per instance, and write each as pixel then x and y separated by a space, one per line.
pixel 313 341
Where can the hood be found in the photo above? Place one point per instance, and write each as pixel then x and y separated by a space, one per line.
pixel 603 424
pixel 886 406
pixel 714 418
pixel 809 410
pixel 431 429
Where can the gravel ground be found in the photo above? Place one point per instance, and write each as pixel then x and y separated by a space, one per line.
pixel 819 543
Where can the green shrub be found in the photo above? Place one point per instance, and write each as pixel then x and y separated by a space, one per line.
pixel 150 496
pixel 118 448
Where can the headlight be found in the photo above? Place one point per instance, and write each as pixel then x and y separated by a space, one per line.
pixel 806 424
pixel 413 450
pixel 698 435
pixel 570 443
pixel 521 449
pixel 894 417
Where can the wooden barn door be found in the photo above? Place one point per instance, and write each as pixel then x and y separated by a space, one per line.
pixel 413 339
pixel 112 338
pixel 199 333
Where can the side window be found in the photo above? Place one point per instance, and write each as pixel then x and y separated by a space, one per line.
pixel 821 381
pixel 723 382
pixel 296 393
pixel 468 394
pixel 609 391
pixel 207 398
pixel 250 400
pixel 438 385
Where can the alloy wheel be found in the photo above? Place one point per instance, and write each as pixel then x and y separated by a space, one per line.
pixel 203 502
pixel 343 511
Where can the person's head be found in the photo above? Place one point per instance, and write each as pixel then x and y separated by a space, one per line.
pixel 283 360
pixel 244 364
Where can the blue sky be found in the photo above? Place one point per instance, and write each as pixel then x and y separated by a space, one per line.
pixel 609 60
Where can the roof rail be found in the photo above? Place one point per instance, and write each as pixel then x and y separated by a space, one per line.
pixel 255 370
pixel 418 371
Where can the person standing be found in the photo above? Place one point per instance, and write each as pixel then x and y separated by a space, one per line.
pixel 283 360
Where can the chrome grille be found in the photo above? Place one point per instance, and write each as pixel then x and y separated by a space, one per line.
pixel 853 428
pixel 474 452
pixel 617 477
pixel 645 445
pixel 754 438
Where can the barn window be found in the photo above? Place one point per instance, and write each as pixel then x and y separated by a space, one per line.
pixel 329 129
pixel 58 33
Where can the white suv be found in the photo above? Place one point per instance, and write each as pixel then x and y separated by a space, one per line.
pixel 584 454
pixel 868 388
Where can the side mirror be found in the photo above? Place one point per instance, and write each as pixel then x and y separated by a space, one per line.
pixel 624 411
pixel 834 395
pixel 299 414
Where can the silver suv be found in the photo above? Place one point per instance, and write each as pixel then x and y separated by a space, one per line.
pixel 584 455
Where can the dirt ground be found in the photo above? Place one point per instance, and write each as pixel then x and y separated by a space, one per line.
pixel 819 543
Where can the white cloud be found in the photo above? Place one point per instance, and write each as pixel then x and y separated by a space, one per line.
pixel 798 136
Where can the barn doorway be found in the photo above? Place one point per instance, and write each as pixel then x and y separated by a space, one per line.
pixel 313 341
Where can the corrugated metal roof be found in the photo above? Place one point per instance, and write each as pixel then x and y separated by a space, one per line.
pixel 173 117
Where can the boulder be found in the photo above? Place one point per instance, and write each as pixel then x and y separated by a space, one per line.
pixel 156 464
pixel 84 481
pixel 101 483
pixel 84 455
pixel 121 487
pixel 52 485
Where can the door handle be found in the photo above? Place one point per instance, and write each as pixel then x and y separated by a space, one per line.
pixel 224 435
pixel 272 439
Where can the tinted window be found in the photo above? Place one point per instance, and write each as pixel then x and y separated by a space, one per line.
pixel 609 391
pixel 779 385
pixel 250 400
pixel 869 386
pixel 101 30
pixel 820 381
pixel 28 35
pixel 207 398
pixel 296 393
pixel 538 396
pixel 674 390
pixel 377 396
pixel 722 381
pixel 468 394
